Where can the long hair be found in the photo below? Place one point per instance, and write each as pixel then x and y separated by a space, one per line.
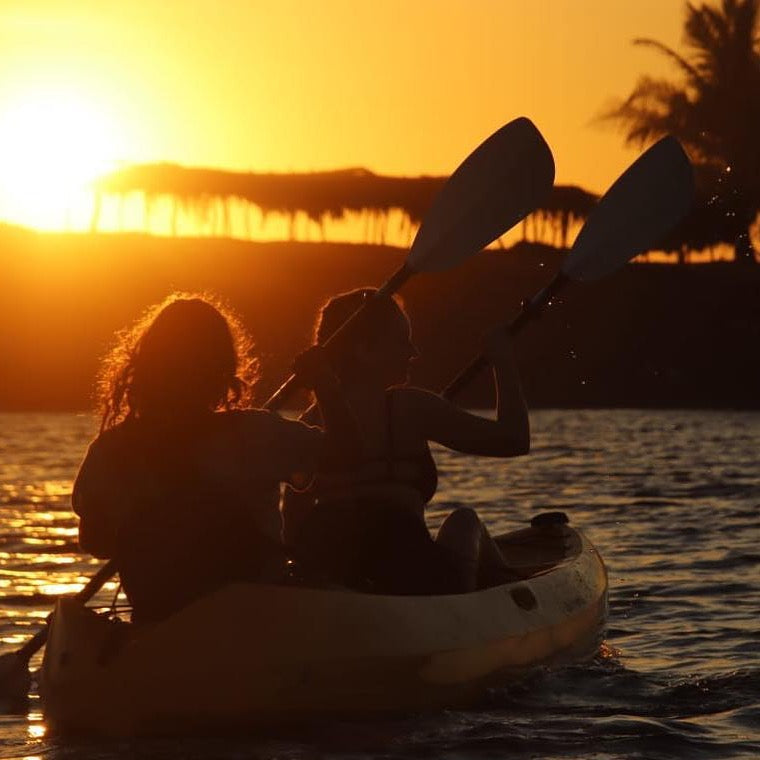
pixel 187 352
pixel 374 321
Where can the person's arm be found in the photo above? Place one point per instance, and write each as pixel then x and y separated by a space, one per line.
pixel 343 441
pixel 295 452
pixel 511 408
pixel 297 503
pixel 438 420
pixel 95 499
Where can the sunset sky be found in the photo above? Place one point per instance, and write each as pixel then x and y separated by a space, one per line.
pixel 401 88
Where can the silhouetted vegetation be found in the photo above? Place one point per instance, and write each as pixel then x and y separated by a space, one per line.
pixel 714 110
pixel 318 195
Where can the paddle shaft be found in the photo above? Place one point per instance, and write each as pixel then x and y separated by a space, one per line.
pixel 530 310
pixel 646 201
pixel 391 285
pixel 505 178
pixel 93 586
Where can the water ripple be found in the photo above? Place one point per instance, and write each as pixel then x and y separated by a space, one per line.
pixel 670 498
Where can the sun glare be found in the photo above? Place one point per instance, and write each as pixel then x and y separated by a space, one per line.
pixel 52 145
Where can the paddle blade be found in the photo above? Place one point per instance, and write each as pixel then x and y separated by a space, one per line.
pixel 640 208
pixel 497 185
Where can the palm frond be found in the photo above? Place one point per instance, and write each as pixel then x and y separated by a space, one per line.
pixel 690 71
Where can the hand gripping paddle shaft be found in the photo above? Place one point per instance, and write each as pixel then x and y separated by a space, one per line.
pixel 498 184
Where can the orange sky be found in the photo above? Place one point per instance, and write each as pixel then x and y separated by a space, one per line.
pixel 397 86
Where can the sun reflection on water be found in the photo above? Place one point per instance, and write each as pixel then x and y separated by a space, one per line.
pixel 656 492
pixel 36 729
pixel 57 589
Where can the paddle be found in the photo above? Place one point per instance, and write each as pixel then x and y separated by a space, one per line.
pixel 643 204
pixel 497 185
pixel 14 666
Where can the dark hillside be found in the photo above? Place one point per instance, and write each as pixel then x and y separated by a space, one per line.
pixel 647 336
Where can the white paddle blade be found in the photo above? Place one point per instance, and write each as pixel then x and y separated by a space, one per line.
pixel 642 206
pixel 498 184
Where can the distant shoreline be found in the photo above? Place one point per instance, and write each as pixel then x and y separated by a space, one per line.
pixel 649 336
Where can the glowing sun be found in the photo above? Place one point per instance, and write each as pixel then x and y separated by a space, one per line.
pixel 52 145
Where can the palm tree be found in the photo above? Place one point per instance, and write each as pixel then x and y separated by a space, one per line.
pixel 714 109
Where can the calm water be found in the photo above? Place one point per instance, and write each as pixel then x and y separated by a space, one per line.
pixel 672 501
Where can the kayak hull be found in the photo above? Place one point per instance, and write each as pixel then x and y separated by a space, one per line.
pixel 253 654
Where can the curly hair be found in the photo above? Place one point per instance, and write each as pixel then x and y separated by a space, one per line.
pixel 189 351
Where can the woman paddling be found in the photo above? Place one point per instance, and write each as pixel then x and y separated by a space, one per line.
pixel 181 487
pixel 365 525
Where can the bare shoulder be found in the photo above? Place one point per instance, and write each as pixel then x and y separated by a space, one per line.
pixel 113 440
pixel 410 397
pixel 417 405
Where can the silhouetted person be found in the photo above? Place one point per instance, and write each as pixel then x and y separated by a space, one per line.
pixel 364 525
pixel 181 486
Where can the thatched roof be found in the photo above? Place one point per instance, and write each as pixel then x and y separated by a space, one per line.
pixel 317 194
pixel 334 194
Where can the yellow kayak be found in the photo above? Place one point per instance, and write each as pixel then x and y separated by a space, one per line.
pixel 252 654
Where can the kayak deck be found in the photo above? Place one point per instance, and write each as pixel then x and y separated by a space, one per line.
pixel 253 653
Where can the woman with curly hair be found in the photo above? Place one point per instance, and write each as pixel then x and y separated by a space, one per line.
pixel 364 524
pixel 181 486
